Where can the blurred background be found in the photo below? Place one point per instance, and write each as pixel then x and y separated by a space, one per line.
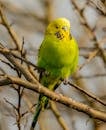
pixel 29 19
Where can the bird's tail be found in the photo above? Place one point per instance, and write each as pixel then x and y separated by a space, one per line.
pixel 42 104
pixel 38 109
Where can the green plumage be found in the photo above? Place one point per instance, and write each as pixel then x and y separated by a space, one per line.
pixel 58 55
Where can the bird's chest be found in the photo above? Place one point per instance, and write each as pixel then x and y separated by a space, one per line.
pixel 59 54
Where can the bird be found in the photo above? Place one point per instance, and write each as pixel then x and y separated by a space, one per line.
pixel 58 55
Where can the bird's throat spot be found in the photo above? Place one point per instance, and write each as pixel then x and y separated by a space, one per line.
pixel 59 36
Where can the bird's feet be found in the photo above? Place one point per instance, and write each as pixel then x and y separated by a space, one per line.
pixel 65 81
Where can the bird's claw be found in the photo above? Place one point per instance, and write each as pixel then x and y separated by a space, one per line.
pixel 65 81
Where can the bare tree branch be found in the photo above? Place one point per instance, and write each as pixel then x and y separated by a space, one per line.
pixel 10 30
pixel 99 5
pixel 58 115
pixel 87 93
pixel 37 87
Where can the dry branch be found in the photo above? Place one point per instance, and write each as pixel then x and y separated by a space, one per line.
pixel 8 54
pixel 37 87
pixel 10 30
pixel 101 6
pixel 58 115
pixel 98 48
pixel 87 93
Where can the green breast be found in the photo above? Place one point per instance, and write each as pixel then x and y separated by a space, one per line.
pixel 58 57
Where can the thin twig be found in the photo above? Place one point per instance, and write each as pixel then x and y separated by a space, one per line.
pixel 87 93
pixel 58 116
pixel 100 6
pixel 10 30
pixel 10 104
pixel 6 50
pixel 91 56
pixel 7 63
pixel 15 10
pixel 20 92
pixel 48 4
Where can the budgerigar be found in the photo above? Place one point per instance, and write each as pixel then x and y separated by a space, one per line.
pixel 58 56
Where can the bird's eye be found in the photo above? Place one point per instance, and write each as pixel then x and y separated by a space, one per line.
pixel 65 28
pixel 56 26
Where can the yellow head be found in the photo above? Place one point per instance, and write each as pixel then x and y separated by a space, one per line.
pixel 60 28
